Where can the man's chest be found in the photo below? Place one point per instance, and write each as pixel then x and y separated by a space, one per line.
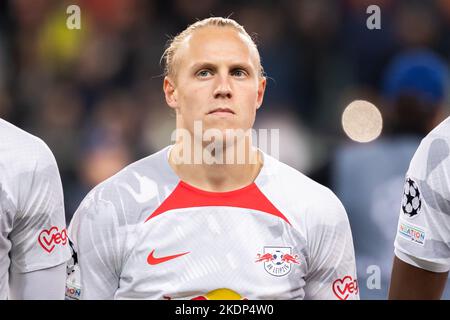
pixel 193 252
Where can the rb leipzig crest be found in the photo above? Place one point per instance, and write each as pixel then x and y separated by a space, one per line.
pixel 277 260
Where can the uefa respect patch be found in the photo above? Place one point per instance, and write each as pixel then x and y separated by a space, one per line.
pixel 412 233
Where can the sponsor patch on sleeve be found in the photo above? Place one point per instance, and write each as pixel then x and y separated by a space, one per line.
pixel 345 287
pixel 73 292
pixel 50 238
pixel 412 233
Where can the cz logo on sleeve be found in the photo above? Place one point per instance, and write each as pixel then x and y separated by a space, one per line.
pixel 48 239
pixel 344 287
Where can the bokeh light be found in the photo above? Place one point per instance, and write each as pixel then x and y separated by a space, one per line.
pixel 362 121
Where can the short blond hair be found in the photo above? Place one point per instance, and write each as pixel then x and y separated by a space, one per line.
pixel 169 54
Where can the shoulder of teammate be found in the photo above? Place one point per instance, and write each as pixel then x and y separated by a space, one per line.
pixel 429 166
pixel 31 170
pixel 27 153
pixel 39 174
pixel 433 150
pixel 424 224
pixel 33 176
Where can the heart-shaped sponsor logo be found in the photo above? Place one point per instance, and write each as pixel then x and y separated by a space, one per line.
pixel 344 287
pixel 48 239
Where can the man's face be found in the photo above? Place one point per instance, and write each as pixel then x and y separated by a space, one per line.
pixel 216 81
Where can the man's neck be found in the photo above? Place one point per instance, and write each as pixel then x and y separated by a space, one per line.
pixel 217 177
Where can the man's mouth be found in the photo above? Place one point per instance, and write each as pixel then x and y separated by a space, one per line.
pixel 221 111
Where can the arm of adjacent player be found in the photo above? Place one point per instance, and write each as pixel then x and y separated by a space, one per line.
pixel 44 284
pixel 412 283
pixel 422 248
pixel 39 246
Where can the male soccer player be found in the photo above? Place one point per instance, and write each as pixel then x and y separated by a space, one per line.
pixel 33 238
pixel 422 245
pixel 172 227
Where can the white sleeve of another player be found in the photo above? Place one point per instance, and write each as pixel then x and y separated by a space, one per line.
pixel 39 236
pixel 97 243
pixel 423 233
pixel 332 268
pixel 44 284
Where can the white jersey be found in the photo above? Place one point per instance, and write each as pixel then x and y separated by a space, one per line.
pixel 144 234
pixel 32 221
pixel 423 234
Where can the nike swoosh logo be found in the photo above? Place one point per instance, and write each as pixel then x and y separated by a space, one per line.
pixel 152 260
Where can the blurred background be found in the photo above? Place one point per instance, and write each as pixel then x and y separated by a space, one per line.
pixel 95 96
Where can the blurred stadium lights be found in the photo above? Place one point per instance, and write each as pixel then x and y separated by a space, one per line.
pixel 362 121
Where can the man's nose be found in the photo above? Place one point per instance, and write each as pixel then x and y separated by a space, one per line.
pixel 223 88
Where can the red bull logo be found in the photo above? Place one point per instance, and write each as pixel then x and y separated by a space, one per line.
pixel 277 260
pixel 267 257
pixel 220 294
pixel 217 294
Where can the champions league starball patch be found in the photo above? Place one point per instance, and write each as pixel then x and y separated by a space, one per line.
pixel 411 201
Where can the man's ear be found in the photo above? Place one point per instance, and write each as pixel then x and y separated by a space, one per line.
pixel 170 92
pixel 261 90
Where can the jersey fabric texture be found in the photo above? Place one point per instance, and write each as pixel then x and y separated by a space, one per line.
pixel 144 234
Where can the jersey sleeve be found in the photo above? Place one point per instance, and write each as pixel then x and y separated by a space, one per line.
pixel 46 284
pixel 331 267
pixel 97 241
pixel 423 233
pixel 39 237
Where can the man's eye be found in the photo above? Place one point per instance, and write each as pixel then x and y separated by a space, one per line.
pixel 203 73
pixel 239 73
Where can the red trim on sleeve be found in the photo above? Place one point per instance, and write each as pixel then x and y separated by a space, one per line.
pixel 187 196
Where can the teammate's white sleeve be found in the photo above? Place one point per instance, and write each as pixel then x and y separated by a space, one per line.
pixel 45 284
pixel 39 237
pixel 331 266
pixel 423 233
pixel 96 234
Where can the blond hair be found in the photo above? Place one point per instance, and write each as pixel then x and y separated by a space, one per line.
pixel 169 54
